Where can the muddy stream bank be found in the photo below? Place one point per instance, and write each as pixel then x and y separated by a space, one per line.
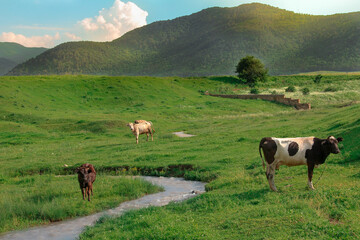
pixel 176 189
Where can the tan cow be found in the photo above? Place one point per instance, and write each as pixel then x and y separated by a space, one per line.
pixel 141 127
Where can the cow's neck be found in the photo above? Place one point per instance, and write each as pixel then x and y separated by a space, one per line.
pixel 323 157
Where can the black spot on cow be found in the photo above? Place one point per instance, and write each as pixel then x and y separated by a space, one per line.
pixel 293 148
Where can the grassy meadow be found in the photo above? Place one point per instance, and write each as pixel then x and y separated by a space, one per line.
pixel 49 121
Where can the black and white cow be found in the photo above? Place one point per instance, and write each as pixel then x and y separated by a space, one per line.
pixel 308 151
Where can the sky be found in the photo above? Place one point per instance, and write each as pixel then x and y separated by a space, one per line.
pixel 47 23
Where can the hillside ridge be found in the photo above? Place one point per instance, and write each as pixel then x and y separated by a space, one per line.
pixel 12 54
pixel 211 42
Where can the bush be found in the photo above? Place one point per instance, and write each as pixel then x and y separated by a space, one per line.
pixel 290 89
pixel 305 91
pixel 330 89
pixel 318 78
pixel 254 91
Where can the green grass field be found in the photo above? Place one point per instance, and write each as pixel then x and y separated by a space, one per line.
pixel 49 121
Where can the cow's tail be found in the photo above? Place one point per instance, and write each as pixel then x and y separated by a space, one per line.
pixel 260 147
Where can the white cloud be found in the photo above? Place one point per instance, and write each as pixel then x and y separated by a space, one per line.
pixel 88 24
pixel 34 41
pixel 112 23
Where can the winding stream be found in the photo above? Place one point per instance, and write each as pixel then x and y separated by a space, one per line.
pixel 176 189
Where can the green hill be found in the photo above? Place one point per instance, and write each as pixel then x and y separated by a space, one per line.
pixel 211 42
pixel 49 121
pixel 12 54
pixel 6 65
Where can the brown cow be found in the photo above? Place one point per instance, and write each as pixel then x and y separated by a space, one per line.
pixel 308 151
pixel 86 176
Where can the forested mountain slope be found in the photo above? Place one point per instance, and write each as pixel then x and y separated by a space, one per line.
pixel 12 54
pixel 211 42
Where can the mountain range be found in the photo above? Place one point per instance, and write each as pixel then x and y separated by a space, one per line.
pixel 211 42
pixel 11 54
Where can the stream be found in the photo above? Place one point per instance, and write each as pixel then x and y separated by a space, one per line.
pixel 176 189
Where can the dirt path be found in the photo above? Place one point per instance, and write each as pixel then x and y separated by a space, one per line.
pixel 183 135
pixel 176 189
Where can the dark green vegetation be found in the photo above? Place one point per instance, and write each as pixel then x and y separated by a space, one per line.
pixel 47 122
pixel 211 42
pixel 252 70
pixel 290 89
pixel 12 54
pixel 318 78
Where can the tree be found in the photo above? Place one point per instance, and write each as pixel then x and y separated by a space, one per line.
pixel 251 70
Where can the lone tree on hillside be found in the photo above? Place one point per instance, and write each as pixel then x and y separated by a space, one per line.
pixel 251 70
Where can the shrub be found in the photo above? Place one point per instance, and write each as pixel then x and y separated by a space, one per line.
pixel 305 91
pixel 290 89
pixel 254 91
pixel 318 78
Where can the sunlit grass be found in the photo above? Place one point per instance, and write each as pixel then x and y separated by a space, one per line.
pixel 47 122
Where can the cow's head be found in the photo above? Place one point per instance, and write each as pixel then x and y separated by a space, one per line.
pixel 131 126
pixel 82 171
pixel 331 144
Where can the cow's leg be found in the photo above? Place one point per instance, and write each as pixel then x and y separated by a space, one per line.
pixel 147 137
pixel 88 191
pixel 278 166
pixel 270 175
pixel 83 193
pixel 310 175
pixel 137 138
pixel 151 132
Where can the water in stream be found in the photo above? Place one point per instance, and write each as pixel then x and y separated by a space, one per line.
pixel 176 189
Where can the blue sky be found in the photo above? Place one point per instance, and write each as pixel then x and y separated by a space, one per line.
pixel 47 23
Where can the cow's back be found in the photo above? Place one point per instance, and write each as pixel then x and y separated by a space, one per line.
pixel 292 151
pixel 143 127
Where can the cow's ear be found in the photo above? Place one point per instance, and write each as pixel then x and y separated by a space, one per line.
pixel 77 170
pixel 340 139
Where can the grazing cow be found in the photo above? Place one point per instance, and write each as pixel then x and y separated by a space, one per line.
pixel 141 127
pixel 308 151
pixel 86 176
